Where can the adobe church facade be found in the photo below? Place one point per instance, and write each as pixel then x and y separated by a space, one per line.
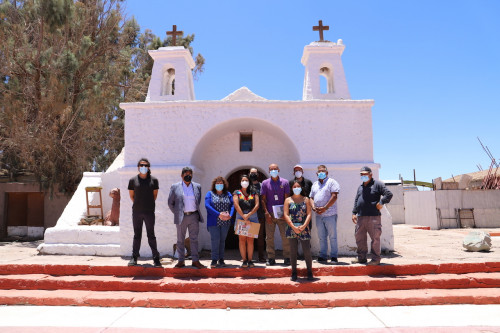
pixel 173 129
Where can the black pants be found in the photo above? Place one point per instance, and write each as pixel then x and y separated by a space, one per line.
pixel 294 247
pixel 149 220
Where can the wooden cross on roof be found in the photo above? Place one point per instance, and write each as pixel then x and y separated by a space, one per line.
pixel 320 28
pixel 174 34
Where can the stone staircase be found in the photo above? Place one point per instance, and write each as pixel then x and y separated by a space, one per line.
pixel 260 287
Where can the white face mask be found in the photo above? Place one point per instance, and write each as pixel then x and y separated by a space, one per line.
pixel 298 174
pixel 244 184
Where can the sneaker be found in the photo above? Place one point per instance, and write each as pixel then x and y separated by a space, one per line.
pixel 321 260
pixel 334 260
pixel 271 262
pixel 213 264
pixel 222 263
pixel 359 261
pixel 180 264
pixel 156 262
pixel 132 262
pixel 373 263
pixel 262 260
pixel 244 264
pixel 250 263
pixel 286 262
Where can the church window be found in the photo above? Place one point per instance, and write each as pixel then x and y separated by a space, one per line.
pixel 246 143
pixel 168 87
pixel 326 80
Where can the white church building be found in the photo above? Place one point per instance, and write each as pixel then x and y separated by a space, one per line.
pixel 223 137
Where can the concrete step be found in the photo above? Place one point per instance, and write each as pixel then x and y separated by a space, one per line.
pixel 257 272
pixel 251 301
pixel 244 285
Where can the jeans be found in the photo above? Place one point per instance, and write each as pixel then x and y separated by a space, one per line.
pixel 327 230
pixel 148 219
pixel 218 239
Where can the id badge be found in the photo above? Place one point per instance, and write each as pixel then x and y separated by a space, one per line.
pixel 276 197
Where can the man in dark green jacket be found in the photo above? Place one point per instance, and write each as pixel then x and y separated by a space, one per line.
pixel 372 195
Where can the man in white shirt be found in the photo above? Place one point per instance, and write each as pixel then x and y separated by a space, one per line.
pixel 324 193
pixel 184 201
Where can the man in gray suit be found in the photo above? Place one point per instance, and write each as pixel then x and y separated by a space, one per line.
pixel 184 202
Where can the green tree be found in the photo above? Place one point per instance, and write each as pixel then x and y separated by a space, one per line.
pixel 64 68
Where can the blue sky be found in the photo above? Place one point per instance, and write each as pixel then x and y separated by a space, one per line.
pixel 432 67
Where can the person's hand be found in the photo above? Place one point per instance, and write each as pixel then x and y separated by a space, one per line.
pixel 296 230
pixel 224 216
pixel 245 217
pixel 354 219
pixel 320 210
pixel 379 206
pixel 268 218
pixel 302 228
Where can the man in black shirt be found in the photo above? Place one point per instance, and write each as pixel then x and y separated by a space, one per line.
pixel 371 197
pixel 305 183
pixel 143 190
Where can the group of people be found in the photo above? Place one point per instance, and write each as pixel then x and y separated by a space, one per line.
pixel 276 202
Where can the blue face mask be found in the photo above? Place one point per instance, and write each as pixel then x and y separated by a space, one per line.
pixel 365 178
pixel 274 173
pixel 219 187
pixel 143 170
pixel 321 175
pixel 297 190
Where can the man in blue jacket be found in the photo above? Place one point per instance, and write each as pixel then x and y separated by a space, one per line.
pixel 372 195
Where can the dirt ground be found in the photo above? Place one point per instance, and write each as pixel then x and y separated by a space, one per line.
pixel 412 246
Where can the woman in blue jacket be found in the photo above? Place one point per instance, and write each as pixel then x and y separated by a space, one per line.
pixel 220 208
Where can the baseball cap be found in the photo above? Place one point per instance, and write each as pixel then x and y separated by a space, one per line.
pixel 365 169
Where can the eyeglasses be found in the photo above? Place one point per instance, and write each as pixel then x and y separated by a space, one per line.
pixel 145 165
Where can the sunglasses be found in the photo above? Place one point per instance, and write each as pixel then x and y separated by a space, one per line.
pixel 145 165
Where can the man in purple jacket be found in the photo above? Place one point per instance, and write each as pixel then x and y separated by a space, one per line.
pixel 273 192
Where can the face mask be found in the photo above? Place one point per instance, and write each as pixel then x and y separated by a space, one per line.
pixel 322 175
pixel 297 190
pixel 365 178
pixel 219 187
pixel 143 170
pixel 244 184
pixel 188 178
pixel 274 173
pixel 298 174
pixel 253 176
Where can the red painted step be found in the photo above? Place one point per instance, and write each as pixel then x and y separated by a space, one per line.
pixel 327 270
pixel 358 285
pixel 238 285
pixel 249 301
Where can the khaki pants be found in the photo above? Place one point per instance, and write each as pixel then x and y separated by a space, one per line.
pixel 270 229
pixel 373 226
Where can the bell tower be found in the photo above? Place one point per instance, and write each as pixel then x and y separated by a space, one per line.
pixel 171 78
pixel 324 73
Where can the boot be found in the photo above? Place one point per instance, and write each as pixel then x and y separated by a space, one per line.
pixel 294 275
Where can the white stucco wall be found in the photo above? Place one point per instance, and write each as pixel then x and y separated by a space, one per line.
pixel 205 135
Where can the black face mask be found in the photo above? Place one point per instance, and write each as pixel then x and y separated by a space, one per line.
pixel 188 178
pixel 253 176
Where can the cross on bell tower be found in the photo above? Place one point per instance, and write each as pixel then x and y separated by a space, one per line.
pixel 320 27
pixel 174 34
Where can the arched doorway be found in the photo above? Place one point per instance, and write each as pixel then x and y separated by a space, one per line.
pixel 234 183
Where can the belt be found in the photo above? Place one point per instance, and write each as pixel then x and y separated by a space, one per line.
pixel 190 213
